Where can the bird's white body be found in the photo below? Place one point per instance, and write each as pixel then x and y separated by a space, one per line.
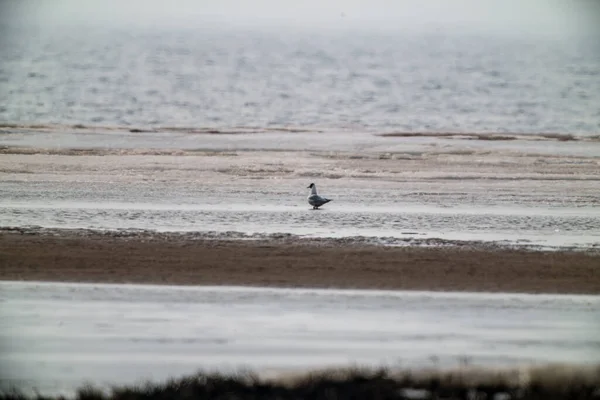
pixel 314 199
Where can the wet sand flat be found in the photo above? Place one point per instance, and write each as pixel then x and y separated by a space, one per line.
pixel 181 260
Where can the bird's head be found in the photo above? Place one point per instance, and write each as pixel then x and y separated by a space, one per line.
pixel 310 186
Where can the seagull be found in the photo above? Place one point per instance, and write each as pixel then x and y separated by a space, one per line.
pixel 314 199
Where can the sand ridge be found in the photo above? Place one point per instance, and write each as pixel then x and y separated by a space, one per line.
pixel 70 256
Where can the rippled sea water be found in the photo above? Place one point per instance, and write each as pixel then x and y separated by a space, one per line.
pixel 224 77
pixel 221 129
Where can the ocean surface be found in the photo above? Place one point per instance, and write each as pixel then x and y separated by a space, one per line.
pixel 55 337
pixel 414 135
pixel 222 77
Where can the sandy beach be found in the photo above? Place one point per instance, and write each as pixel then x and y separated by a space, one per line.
pixel 182 259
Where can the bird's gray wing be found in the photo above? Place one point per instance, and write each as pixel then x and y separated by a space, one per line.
pixel 316 199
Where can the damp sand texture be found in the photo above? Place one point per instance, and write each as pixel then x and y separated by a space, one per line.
pixel 180 259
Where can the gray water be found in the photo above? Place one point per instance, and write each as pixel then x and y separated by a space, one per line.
pixel 391 224
pixel 55 337
pixel 85 86
pixel 532 201
pixel 357 80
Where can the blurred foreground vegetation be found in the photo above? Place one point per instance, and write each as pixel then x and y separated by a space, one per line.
pixel 548 383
